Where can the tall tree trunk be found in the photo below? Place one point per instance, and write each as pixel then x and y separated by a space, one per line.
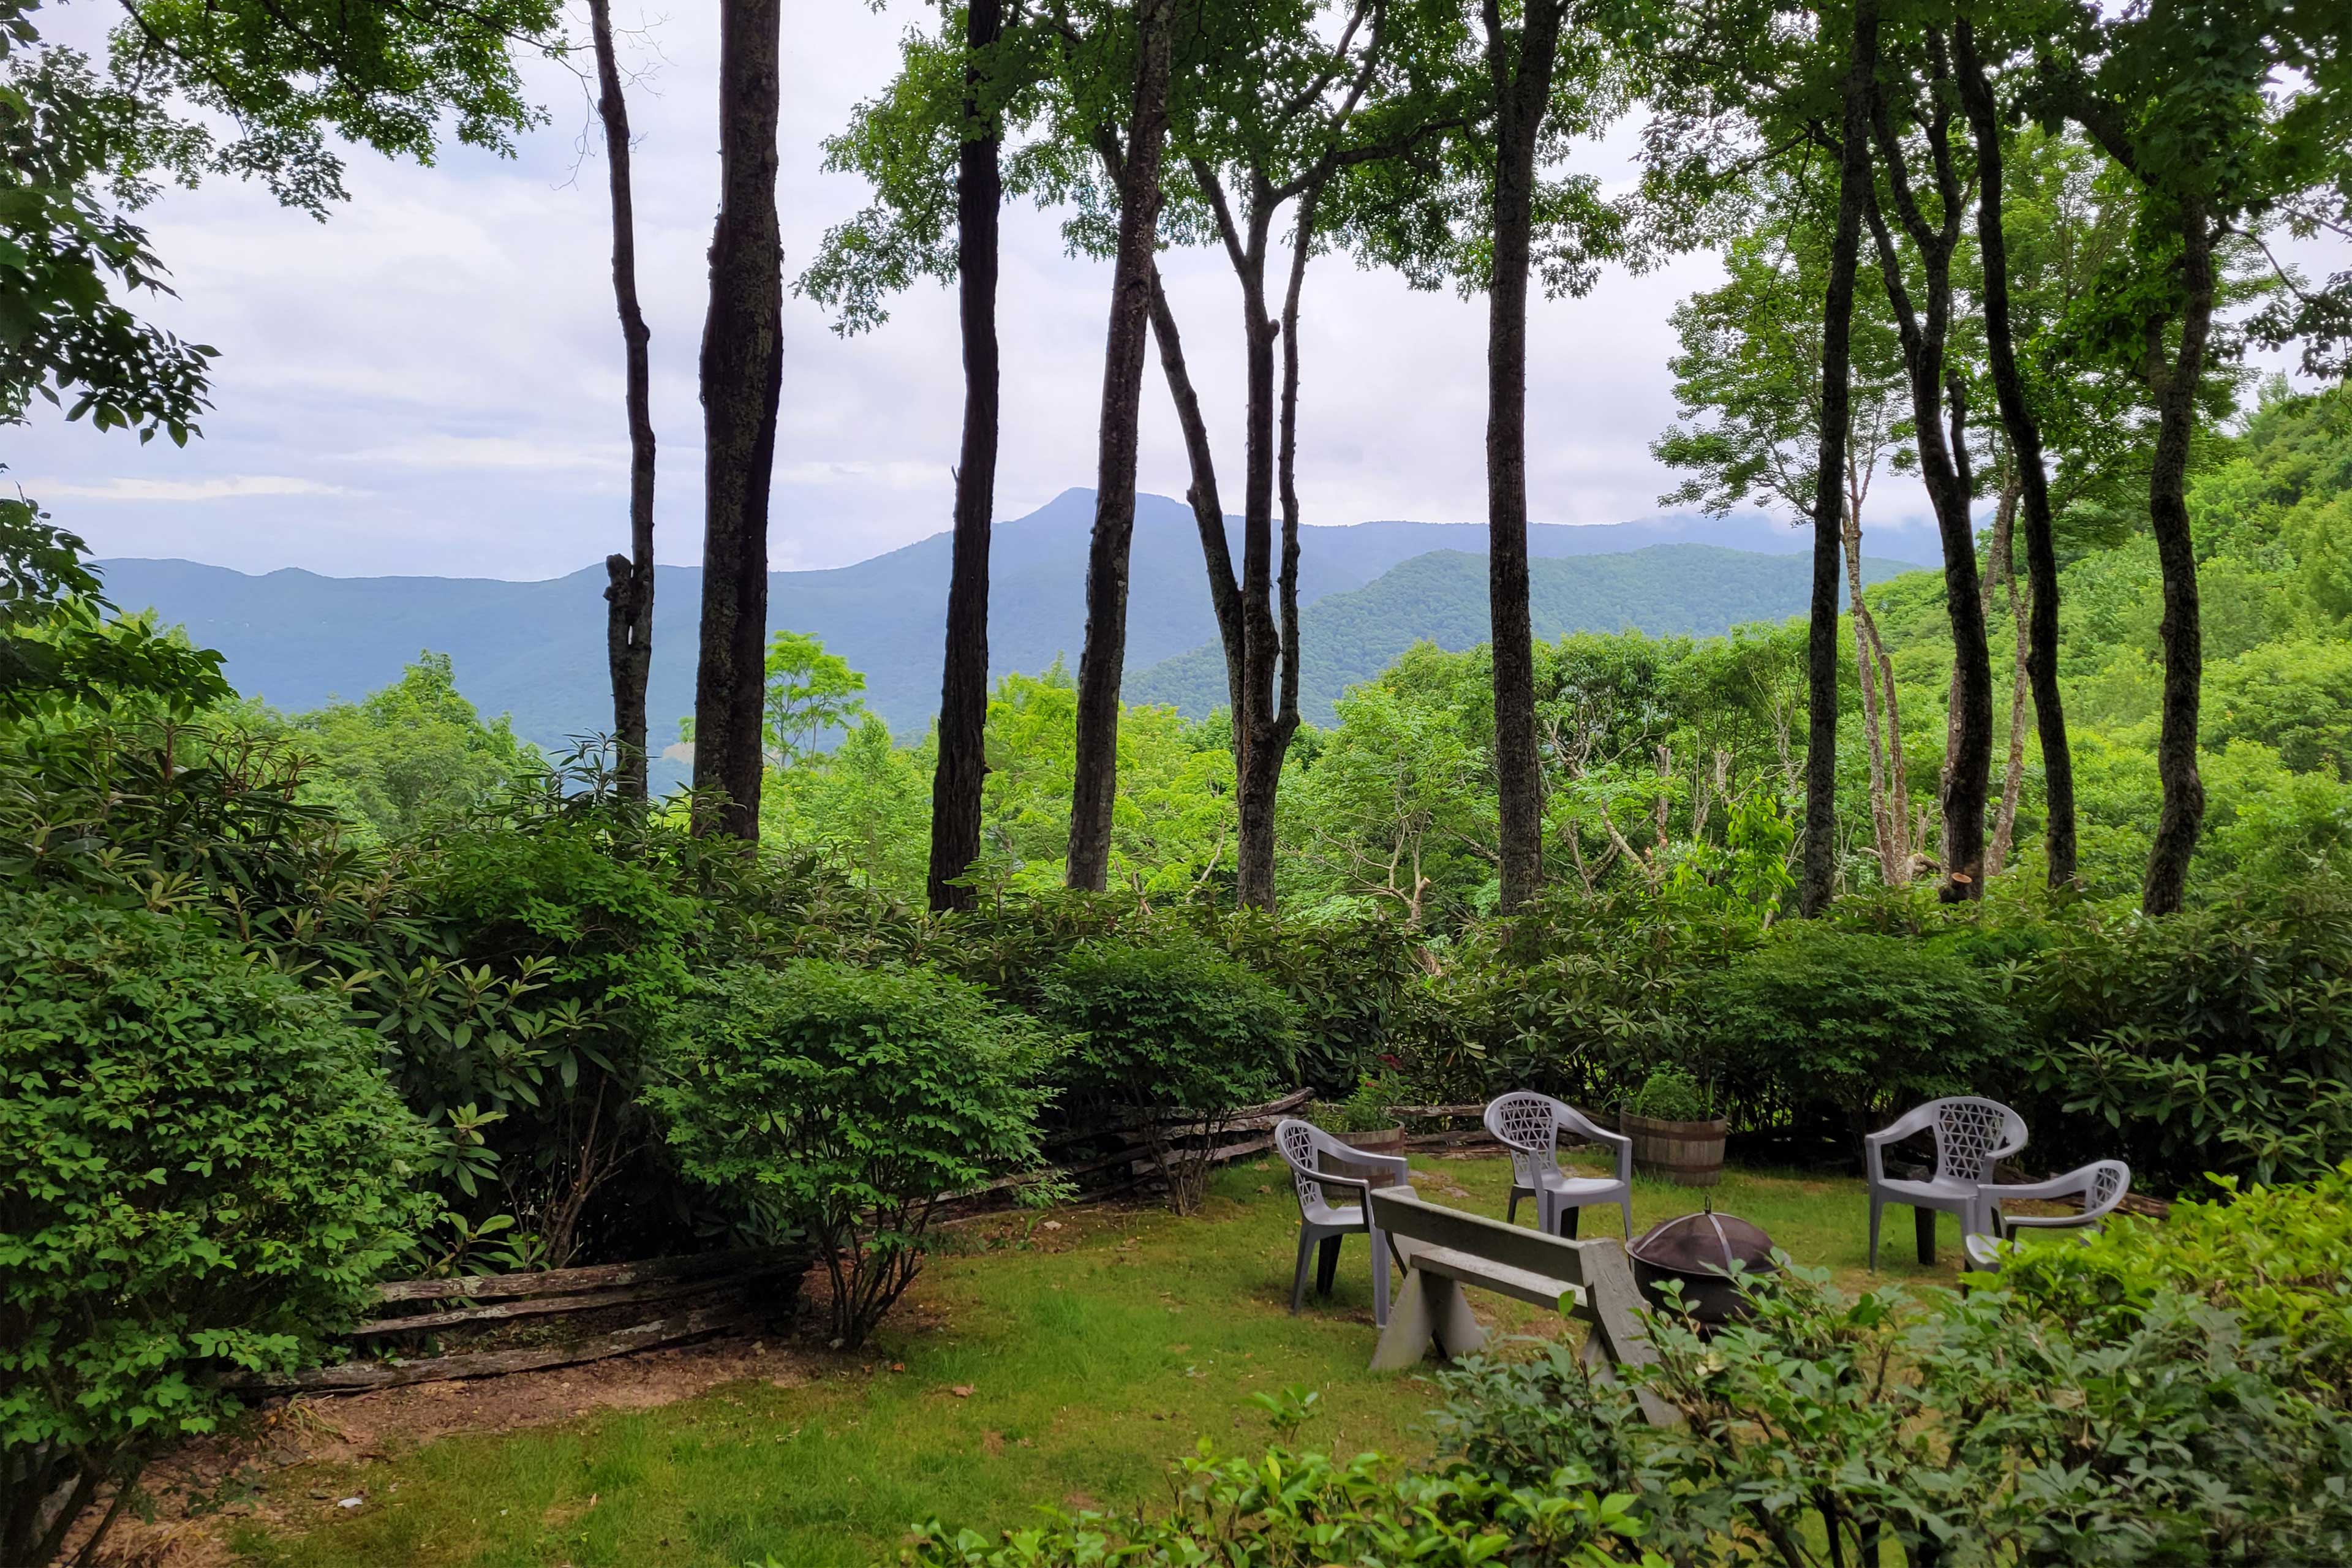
pixel 742 372
pixel 2024 431
pixel 1522 90
pixel 1262 748
pixel 2012 782
pixel 1262 777
pixel 1095 788
pixel 1886 823
pixel 962 766
pixel 1943 464
pixel 629 587
pixel 1817 880
pixel 1208 511
pixel 2182 814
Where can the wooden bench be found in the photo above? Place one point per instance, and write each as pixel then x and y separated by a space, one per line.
pixel 1441 1249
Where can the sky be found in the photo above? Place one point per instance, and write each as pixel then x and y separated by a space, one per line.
pixel 429 382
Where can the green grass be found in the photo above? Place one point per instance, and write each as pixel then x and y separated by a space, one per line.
pixel 1093 1360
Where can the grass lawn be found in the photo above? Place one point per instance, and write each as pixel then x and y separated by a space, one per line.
pixel 1070 1372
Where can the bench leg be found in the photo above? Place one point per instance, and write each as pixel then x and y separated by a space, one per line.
pixel 1568 1218
pixel 1457 1331
pixel 1923 1221
pixel 1428 1313
pixel 1327 1265
pixel 1406 1339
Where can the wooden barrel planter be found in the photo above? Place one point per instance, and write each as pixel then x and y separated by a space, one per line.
pixel 1389 1140
pixel 1687 1153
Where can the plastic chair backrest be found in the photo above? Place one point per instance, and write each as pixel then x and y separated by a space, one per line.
pixel 1972 1134
pixel 1298 1142
pixel 1528 1125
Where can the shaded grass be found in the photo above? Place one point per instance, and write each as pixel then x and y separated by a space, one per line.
pixel 1092 1356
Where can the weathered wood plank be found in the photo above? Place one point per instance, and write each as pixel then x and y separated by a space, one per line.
pixel 558 1306
pixel 352 1377
pixel 574 1281
pixel 1401 1211
pixel 1520 1284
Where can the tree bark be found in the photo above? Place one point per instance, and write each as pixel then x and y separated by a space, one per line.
pixel 629 589
pixel 2012 783
pixel 1095 787
pixel 2182 815
pixel 2024 431
pixel 1817 880
pixel 742 372
pixel 1522 91
pixel 1263 748
pixel 963 767
pixel 1943 468
pixel 1887 817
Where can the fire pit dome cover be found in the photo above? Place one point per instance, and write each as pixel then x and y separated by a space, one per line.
pixel 1701 1244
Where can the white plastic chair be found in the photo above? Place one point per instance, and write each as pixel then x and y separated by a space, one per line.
pixel 1300 1144
pixel 1528 1125
pixel 2099 1186
pixel 1972 1137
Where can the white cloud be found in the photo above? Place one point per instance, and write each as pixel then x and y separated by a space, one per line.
pixel 230 488
pixel 438 363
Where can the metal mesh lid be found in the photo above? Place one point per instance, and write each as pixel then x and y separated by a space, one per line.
pixel 1707 1243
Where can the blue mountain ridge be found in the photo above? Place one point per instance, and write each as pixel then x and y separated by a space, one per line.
pixel 536 650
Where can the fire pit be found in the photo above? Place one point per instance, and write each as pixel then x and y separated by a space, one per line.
pixel 1698 1252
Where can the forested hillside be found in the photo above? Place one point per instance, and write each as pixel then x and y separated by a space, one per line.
pixel 1664 590
pixel 535 650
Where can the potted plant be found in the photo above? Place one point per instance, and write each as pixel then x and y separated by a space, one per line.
pixel 1362 1121
pixel 1675 1131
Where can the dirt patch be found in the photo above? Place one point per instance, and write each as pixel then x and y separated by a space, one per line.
pixel 203 1490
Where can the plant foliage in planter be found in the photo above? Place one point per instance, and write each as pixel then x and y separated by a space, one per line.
pixel 1171 1031
pixel 205 1172
pixel 852 1101
pixel 1365 1111
pixel 1671 1094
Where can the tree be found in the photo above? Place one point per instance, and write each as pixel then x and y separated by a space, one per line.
pixel 1278 104
pixel 1937 389
pixel 629 588
pixel 2037 650
pixel 963 769
pixel 1750 366
pixel 2229 119
pixel 1522 72
pixel 415 753
pixel 808 692
pixel 742 377
pixel 1095 784
pixel 62 332
pixel 931 145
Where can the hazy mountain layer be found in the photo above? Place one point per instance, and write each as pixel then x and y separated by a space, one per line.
pixel 536 649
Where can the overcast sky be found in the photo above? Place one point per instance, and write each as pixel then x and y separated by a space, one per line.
pixel 429 383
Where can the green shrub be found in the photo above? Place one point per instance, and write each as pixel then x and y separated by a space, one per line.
pixel 1170 1031
pixel 1671 1094
pixel 1575 997
pixel 852 1101
pixel 1836 1429
pixel 528 1008
pixel 1302 1509
pixel 1827 1023
pixel 206 1171
pixel 1827 1430
pixel 2279 1257
pixel 2215 1041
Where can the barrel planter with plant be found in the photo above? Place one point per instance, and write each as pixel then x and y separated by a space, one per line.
pixel 1674 1133
pixel 1362 1121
